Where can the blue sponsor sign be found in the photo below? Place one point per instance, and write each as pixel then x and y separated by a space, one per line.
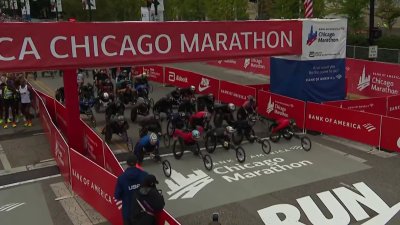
pixel 312 80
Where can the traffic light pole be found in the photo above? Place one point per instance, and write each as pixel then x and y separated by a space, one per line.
pixel 371 21
pixel 90 10
pixel 56 5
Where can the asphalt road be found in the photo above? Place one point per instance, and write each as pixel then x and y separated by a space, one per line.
pixel 344 181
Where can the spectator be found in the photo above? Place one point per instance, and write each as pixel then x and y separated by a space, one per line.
pixel 127 185
pixel 2 85
pixel 25 103
pixel 147 202
pixel 8 95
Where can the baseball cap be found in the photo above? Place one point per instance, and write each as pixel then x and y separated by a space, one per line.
pixel 150 180
pixel 131 160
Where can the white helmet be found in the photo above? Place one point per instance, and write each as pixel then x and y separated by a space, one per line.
pixel 106 95
pixel 140 100
pixel 230 129
pixel 195 134
pixel 153 138
pixel 192 88
pixel 231 106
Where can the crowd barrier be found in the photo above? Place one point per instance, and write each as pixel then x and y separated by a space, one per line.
pixel 93 176
pixel 372 79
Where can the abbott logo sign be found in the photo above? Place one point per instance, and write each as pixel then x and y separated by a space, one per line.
pixel 340 202
pixel 171 76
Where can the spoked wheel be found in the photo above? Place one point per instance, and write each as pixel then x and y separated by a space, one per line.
pixel 266 146
pixel 170 128
pixel 133 114
pixel 240 154
pixel 305 143
pixel 129 144
pixel 97 107
pixel 210 143
pixel 151 101
pixel 177 149
pixel 167 140
pixel 93 121
pixel 108 135
pixel 208 163
pixel 166 165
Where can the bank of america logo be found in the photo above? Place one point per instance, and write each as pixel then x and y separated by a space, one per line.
pixel 270 106
pixel 364 81
pixel 312 36
pixel 118 203
pixel 11 206
pixel 186 187
pixel 369 127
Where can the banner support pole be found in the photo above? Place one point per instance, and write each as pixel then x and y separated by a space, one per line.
pixel 74 133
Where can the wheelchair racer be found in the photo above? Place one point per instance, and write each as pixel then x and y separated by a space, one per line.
pixel 149 144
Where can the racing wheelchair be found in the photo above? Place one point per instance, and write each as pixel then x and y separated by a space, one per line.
pixel 287 129
pixel 223 136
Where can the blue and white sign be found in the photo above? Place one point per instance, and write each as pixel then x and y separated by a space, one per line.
pixel 317 81
pixel 324 39
pixel 317 75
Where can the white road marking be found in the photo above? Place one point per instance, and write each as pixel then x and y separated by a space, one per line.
pixel 29 181
pixel 10 206
pixel 4 160
pixel 15 206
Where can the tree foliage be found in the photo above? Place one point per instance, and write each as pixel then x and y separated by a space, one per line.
pixel 388 12
pixel 354 10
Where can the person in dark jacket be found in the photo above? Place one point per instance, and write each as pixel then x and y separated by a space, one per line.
pixel 147 202
pixel 127 184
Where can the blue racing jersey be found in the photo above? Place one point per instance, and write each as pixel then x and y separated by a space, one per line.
pixel 144 143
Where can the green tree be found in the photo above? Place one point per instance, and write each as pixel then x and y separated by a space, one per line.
pixel 106 10
pixel 354 10
pixel 226 9
pixel 287 9
pixel 388 12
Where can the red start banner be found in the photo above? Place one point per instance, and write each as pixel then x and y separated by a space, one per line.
pixel 92 144
pixel 393 106
pixel 96 186
pixel 111 163
pixel 61 113
pixel 390 137
pixel 372 79
pixel 249 65
pixel 353 125
pixel 277 106
pixel 61 154
pixel 184 79
pixel 27 46
pixel 370 105
pixel 234 93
